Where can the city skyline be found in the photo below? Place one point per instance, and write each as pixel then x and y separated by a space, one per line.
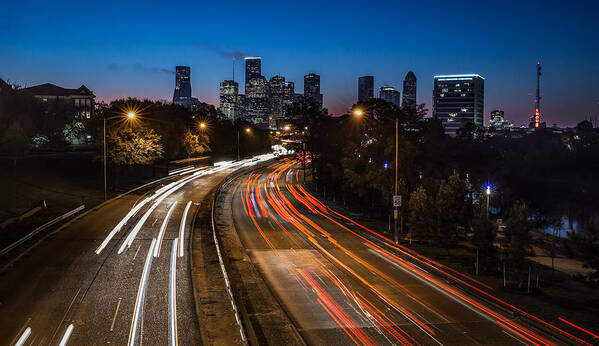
pixel 134 57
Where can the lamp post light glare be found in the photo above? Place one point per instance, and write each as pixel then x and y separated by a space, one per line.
pixel 131 115
pixel 202 125
pixel 287 128
pixel 358 112
pixel 488 191
pixel 248 130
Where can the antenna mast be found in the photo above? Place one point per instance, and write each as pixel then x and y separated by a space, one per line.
pixel 538 98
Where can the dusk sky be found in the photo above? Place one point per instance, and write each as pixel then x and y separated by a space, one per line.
pixel 120 50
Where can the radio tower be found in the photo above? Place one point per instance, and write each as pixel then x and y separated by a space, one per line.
pixel 538 98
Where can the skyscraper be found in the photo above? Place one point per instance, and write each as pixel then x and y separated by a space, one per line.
pixel 182 84
pixel 256 98
pixel 389 94
pixel 256 92
pixel 365 88
pixel 278 93
pixel 409 90
pixel 229 91
pixel 458 100
pixel 312 87
pixel 253 67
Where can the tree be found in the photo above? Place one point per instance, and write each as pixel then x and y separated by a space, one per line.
pixel 585 244
pixel 195 143
pixel 134 146
pixel 450 210
pixel 419 220
pixel 517 234
pixel 15 141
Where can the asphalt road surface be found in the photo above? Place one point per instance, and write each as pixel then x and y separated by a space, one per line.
pixel 342 287
pixel 119 275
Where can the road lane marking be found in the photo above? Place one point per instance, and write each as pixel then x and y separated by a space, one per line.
pixel 136 251
pixel 182 229
pixel 67 335
pixel 163 229
pixel 172 297
pixel 24 336
pixel 115 313
pixel 139 300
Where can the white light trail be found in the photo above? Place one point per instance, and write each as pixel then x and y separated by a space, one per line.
pixel 67 335
pixel 23 337
pixel 179 170
pixel 182 229
pixel 163 229
pixel 168 189
pixel 173 339
pixel 140 295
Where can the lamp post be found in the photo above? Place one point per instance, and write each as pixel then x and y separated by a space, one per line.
pixel 396 198
pixel 488 191
pixel 247 130
pixel 130 115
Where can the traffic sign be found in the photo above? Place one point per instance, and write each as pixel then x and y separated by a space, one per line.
pixel 397 201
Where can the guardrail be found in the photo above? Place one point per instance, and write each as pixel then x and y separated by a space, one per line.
pixel 41 228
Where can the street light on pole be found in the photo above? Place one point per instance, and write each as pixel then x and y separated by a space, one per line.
pixel 248 131
pixel 130 115
pixel 357 112
pixel 488 192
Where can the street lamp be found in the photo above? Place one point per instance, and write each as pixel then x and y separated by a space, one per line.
pixel 396 198
pixel 130 115
pixel 488 192
pixel 202 125
pixel 248 131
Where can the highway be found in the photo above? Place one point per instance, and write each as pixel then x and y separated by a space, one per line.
pixel 119 275
pixel 341 283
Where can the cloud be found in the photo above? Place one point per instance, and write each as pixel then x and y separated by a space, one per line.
pixel 114 67
pixel 227 54
pixel 138 67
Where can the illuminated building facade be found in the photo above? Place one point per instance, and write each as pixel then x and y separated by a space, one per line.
pixel 389 94
pixel 409 90
pixel 458 100
pixel 229 103
pixel 312 88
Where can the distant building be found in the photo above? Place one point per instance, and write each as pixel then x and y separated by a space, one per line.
pixel 497 121
pixel 82 98
pixel 182 84
pixel 409 90
pixel 253 68
pixel 229 91
pixel 182 94
pixel 256 93
pixel 241 106
pixel 278 94
pixel 312 87
pixel 256 99
pixel 458 100
pixel 365 88
pixel 389 94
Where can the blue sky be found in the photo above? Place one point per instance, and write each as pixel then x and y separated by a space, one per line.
pixel 130 49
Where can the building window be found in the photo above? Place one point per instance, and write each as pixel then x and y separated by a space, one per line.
pixel 464 109
pixel 441 95
pixel 462 95
pixel 445 90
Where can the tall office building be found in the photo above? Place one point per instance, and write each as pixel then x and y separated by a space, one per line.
pixel 256 99
pixel 253 68
pixel 278 92
pixel 458 100
pixel 409 90
pixel 312 88
pixel 256 92
pixel 229 91
pixel 182 84
pixel 389 94
pixel 365 88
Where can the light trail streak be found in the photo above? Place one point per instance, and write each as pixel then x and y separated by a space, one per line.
pixel 24 337
pixel 163 229
pixel 172 298
pixel 182 228
pixel 67 335
pixel 168 189
pixel 139 300
pixel 579 328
